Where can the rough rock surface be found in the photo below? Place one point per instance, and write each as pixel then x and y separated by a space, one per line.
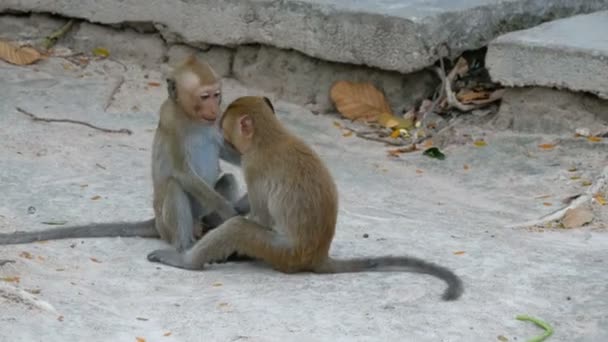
pixel 388 34
pixel 569 53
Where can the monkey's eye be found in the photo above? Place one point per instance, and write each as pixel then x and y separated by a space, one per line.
pixel 205 96
pixel 216 95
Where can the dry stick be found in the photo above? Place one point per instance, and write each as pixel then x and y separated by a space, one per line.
pixel 119 84
pixel 78 122
pixel 364 135
pixel 52 39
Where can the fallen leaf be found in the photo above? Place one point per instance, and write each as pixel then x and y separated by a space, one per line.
pixel 547 146
pixel 594 139
pixel 600 199
pixel 397 151
pixel 154 84
pixel 95 198
pixel 547 204
pixel 418 171
pixel 14 279
pixel 347 134
pixel 217 284
pixel 336 123
pixel 395 134
pixel 459 253
pixel 434 152
pixel 586 183
pixel 26 255
pixel 465 166
pixel 577 217
pixel 467 95
pixel 101 52
pixel 502 338
pixel 168 333
pixel 358 100
pixel 572 169
pixel 60 318
pixel 479 143
pixel 53 223
pixel 95 260
pixel 140 339
pixel 390 121
pixel 18 55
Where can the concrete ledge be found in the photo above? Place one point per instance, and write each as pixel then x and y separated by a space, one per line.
pixel 569 53
pixel 389 34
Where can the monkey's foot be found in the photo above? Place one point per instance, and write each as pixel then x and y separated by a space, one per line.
pixel 170 257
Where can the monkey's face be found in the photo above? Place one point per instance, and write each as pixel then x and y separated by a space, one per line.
pixel 201 102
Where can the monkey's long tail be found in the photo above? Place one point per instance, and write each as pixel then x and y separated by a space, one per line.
pixel 387 264
pixel 114 229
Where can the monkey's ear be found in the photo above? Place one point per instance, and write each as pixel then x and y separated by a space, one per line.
pixel 267 100
pixel 246 126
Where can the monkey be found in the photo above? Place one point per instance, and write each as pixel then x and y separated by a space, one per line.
pixel 294 206
pixel 185 140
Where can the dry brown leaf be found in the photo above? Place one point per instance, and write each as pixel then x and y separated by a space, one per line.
pixel 154 84
pixel 168 333
pixel 14 279
pixel 358 100
pixel 101 52
pixel 546 146
pixel 95 260
pixel 18 55
pixel 140 339
pixel 60 318
pixel 347 133
pixel 418 171
pixel 494 96
pixel 467 95
pixel 577 217
pixel 26 255
pixel 547 204
pixel 95 198
pixel 466 167
pixel 459 253
pixel 397 151
pixel 594 138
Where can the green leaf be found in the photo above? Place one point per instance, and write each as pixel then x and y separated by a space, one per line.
pixel 434 152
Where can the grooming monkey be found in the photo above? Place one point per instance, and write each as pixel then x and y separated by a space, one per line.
pixel 294 206
pixel 185 141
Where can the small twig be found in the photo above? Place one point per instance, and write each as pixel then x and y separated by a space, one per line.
pixel 78 122
pixel 6 261
pixel 53 37
pixel 119 84
pixel 365 135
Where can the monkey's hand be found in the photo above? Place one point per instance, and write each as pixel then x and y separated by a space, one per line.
pixel 170 257
pixel 242 205
pixel 203 193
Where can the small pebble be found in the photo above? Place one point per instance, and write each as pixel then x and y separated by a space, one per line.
pixel 365 236
pixel 31 210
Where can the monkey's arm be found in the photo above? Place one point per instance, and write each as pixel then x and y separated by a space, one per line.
pixel 203 193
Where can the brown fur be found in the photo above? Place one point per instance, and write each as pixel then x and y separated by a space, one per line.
pixel 294 206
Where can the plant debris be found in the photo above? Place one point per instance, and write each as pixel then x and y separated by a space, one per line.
pixel 577 217
pixel 23 55
pixel 107 130
pixel 548 329
pixel 434 152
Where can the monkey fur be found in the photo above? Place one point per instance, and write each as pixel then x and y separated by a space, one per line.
pixel 294 206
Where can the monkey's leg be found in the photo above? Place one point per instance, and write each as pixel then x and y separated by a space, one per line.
pixel 237 234
pixel 177 217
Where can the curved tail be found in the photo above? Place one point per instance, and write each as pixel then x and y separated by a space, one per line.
pixel 387 264
pixel 115 229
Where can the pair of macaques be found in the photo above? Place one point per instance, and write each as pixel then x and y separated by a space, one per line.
pixel 288 217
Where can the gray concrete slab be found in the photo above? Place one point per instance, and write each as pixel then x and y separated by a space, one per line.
pixel 412 205
pixel 569 54
pixel 390 34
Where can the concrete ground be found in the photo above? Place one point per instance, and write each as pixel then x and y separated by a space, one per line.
pixel 454 212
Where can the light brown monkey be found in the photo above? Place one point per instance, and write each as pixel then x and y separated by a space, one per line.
pixel 185 140
pixel 294 206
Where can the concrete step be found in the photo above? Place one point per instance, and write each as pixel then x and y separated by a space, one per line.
pixel 569 53
pixel 400 35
